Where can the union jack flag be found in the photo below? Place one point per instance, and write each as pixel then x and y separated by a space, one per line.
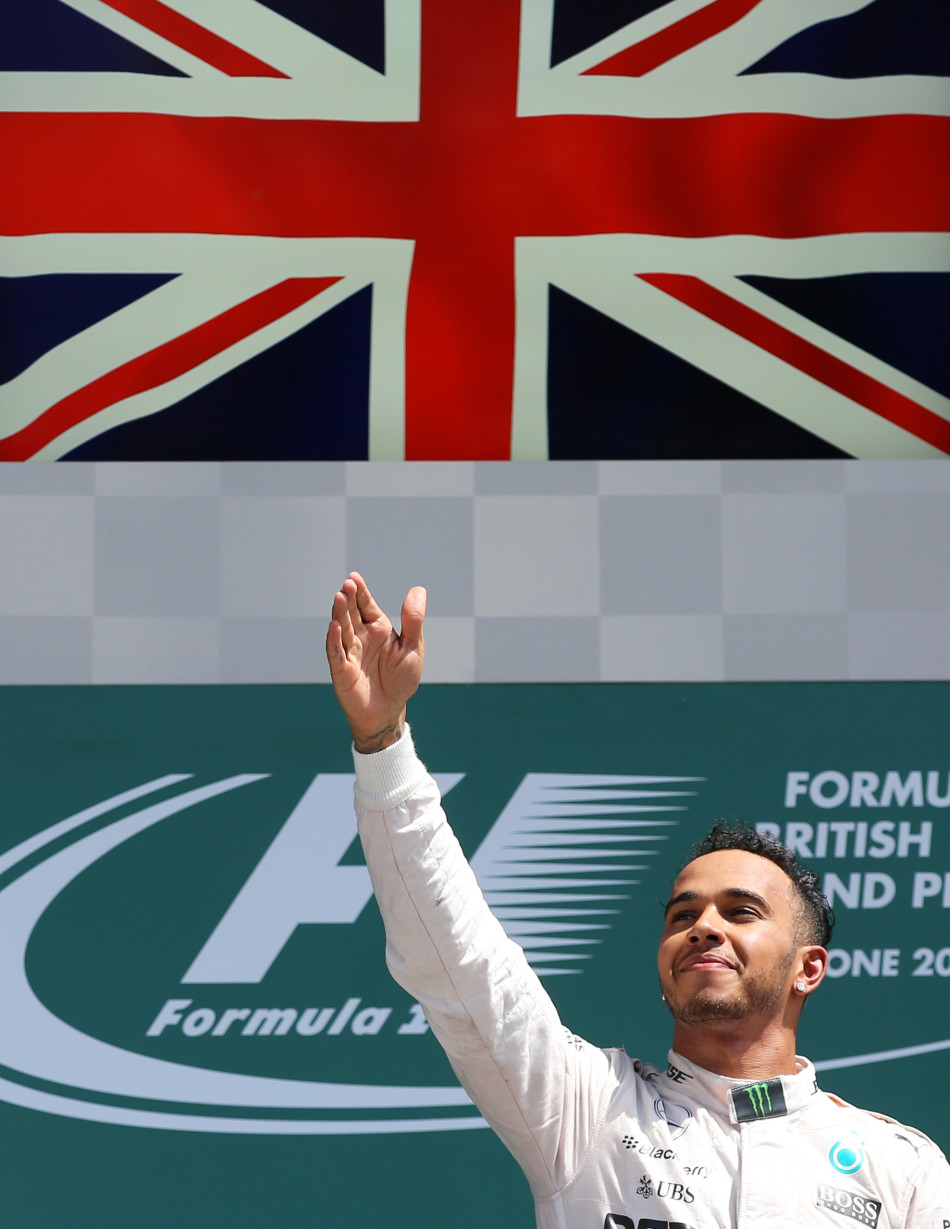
pixel 530 229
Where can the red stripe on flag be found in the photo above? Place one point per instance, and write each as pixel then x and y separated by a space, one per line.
pixel 657 49
pixel 197 40
pixel 164 363
pixel 805 356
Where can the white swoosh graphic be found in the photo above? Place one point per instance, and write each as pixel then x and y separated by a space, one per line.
pixel 31 844
pixel 37 1043
pixel 881 1056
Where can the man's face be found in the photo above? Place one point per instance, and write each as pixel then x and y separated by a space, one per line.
pixel 729 941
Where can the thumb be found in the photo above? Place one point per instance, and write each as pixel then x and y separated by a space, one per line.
pixel 412 617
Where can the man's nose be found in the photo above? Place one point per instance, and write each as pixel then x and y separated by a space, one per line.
pixel 707 929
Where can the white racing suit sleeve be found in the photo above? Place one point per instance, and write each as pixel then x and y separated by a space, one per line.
pixel 542 1090
pixel 929 1206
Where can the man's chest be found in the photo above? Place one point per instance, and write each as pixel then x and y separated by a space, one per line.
pixel 664 1162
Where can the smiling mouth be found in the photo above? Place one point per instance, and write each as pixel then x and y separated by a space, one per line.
pixel 706 962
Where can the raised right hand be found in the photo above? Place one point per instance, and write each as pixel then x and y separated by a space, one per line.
pixel 374 670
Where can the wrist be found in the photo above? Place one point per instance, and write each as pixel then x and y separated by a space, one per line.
pixel 367 742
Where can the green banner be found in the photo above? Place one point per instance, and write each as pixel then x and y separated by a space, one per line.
pixel 198 1027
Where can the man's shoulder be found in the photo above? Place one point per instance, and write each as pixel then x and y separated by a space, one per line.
pixel 883 1126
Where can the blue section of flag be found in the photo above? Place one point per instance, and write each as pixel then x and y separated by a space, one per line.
pixel 37 313
pixel 642 402
pixel 578 23
pixel 357 27
pixel 305 398
pixel 49 36
pixel 902 318
pixel 888 36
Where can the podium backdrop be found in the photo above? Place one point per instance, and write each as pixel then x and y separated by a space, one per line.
pixel 198 1028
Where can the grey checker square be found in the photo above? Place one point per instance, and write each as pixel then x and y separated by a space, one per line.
pixel 43 478
pixel 536 555
pixel 786 647
pixel 660 555
pixel 396 543
pixel 45 650
pixel 410 478
pixel 46 554
pixel 897 645
pixel 274 650
pixel 141 479
pixel 661 648
pixel 783 553
pixel 533 650
pixel 154 650
pixel 450 650
pixel 283 478
pixel 157 556
pixel 899 552
pixel 536 478
pixel 898 477
pixel 660 477
pixel 281 556
pixel 782 477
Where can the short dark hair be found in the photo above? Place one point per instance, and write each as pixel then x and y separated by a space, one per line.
pixel 818 917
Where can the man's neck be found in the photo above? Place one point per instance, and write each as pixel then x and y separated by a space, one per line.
pixel 736 1052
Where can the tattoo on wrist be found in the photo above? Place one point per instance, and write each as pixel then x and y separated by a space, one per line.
pixel 376 741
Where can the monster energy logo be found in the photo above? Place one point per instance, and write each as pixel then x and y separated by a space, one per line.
pixel 765 1100
pixel 761 1101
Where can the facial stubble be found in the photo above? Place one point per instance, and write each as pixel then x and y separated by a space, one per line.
pixel 763 994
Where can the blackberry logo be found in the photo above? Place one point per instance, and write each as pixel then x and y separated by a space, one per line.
pixel 632 1144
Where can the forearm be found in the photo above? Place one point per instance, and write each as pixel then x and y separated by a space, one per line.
pixel 431 904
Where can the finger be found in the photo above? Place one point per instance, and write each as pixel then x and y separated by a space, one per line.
pixel 336 657
pixel 350 590
pixel 412 618
pixel 365 602
pixel 341 614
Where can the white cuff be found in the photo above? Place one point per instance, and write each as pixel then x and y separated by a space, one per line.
pixel 386 778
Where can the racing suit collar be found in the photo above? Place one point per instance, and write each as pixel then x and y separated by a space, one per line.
pixel 746 1100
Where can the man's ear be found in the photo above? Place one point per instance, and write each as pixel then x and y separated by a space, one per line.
pixel 813 965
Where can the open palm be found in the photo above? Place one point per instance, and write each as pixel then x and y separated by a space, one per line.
pixel 374 670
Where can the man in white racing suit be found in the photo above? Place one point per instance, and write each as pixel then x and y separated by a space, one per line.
pixel 735 1132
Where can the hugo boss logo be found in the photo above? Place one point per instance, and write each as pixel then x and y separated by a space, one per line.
pixel 858 1207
